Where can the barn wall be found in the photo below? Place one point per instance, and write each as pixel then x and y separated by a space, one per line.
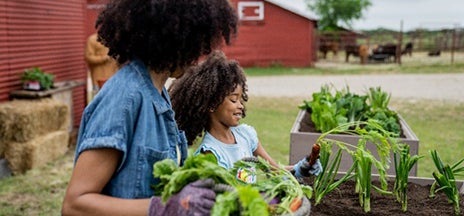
pixel 282 38
pixel 94 7
pixel 43 33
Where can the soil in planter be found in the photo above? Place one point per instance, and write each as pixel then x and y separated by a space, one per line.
pixel 345 201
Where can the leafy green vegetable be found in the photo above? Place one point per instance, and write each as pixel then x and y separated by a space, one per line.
pixel 195 168
pixel 251 200
pixel 244 199
pixel 329 111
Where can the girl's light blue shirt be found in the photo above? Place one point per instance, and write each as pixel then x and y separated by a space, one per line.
pixel 227 154
pixel 130 115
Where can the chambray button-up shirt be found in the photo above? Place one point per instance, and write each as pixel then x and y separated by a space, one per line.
pixel 130 115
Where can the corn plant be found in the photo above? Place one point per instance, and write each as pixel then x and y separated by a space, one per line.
pixel 444 178
pixel 403 164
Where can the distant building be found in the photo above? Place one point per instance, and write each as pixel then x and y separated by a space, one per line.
pixel 274 32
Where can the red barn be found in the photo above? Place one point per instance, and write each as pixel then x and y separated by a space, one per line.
pixel 49 34
pixel 274 32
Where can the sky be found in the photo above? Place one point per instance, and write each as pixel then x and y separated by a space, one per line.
pixel 429 14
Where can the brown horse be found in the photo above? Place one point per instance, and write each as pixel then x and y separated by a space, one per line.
pixel 325 47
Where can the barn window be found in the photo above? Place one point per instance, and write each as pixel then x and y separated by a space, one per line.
pixel 251 11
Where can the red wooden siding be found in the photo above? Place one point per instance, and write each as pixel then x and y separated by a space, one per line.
pixel 282 38
pixel 43 33
pixel 94 7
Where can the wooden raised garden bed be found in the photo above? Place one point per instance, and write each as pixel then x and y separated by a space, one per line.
pixel 303 136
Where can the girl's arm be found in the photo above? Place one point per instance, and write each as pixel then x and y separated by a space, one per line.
pixel 261 152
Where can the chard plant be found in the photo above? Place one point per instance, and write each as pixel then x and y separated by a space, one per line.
pixel 403 165
pixel 445 179
pixel 329 111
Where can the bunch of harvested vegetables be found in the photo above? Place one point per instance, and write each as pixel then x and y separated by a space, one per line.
pixel 275 192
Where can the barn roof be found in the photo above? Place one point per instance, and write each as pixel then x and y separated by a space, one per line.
pixel 299 7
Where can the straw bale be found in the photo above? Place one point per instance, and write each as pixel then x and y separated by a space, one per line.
pixel 22 120
pixel 36 152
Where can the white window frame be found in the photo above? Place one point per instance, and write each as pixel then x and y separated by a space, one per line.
pixel 260 11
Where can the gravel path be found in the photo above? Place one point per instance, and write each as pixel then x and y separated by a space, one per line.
pixel 448 87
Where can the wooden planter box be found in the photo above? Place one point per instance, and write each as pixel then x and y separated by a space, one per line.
pixel 301 143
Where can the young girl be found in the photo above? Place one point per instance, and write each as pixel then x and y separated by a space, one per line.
pixel 214 103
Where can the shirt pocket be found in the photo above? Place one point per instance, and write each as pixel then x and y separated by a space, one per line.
pixel 147 157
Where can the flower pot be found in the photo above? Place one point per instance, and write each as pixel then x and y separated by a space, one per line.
pixel 32 85
pixel 301 141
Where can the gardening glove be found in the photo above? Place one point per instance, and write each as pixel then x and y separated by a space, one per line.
pixel 195 199
pixel 302 168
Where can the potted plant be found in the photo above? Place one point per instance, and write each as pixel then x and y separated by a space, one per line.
pixel 36 79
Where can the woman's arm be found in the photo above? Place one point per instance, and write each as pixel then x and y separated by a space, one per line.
pixel 91 173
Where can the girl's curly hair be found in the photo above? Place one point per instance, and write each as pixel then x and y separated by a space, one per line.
pixel 202 88
pixel 165 34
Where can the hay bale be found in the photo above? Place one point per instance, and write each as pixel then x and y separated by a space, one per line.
pixel 23 156
pixel 23 120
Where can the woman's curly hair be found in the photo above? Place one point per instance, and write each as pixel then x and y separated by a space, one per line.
pixel 202 88
pixel 165 34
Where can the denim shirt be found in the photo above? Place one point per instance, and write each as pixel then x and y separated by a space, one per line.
pixel 130 115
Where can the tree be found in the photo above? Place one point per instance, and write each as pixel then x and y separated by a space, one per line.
pixel 332 12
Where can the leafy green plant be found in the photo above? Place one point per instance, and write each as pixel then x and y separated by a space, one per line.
pixel 379 110
pixel 403 164
pixel 324 111
pixel 363 161
pixel 326 181
pixel 36 74
pixel 378 98
pixel 329 110
pixel 445 178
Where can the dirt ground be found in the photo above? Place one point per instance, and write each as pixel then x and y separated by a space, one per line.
pixel 344 201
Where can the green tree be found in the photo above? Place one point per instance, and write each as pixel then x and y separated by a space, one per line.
pixel 331 12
